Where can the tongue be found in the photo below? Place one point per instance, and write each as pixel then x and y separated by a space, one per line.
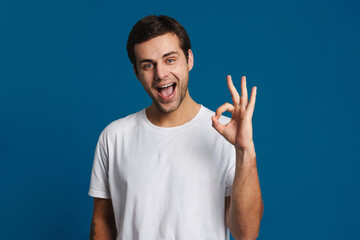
pixel 167 91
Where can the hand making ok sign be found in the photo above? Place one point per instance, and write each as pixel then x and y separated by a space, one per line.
pixel 239 130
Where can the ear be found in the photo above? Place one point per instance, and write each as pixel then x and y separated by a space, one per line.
pixel 190 59
pixel 136 72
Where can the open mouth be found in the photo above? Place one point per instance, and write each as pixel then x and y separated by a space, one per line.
pixel 166 90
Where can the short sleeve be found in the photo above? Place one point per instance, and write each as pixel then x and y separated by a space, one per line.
pixel 230 174
pixel 99 183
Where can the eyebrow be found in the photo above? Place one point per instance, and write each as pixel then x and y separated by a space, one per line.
pixel 164 56
pixel 170 53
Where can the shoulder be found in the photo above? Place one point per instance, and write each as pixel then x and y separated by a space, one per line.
pixel 124 124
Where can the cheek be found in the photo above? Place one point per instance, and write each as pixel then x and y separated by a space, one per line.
pixel 181 72
pixel 184 73
pixel 145 77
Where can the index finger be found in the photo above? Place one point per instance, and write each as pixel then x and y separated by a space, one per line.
pixel 234 93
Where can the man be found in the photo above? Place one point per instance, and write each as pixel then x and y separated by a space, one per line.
pixel 164 172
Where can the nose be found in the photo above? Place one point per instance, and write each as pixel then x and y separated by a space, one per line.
pixel 161 71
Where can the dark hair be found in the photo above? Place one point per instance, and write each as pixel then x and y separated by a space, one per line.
pixel 153 26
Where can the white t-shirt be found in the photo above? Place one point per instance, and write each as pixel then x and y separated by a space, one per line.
pixel 165 183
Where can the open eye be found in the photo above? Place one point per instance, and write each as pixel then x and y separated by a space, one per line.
pixel 147 66
pixel 170 60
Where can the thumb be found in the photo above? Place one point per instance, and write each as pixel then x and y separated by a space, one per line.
pixel 217 125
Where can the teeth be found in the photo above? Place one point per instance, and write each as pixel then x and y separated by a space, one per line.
pixel 167 85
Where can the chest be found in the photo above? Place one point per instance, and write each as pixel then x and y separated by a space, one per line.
pixel 149 162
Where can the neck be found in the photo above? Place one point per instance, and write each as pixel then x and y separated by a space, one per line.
pixel 185 112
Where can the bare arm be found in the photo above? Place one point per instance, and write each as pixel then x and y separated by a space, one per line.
pixel 245 208
pixel 103 222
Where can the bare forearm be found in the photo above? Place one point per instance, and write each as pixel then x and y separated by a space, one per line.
pixel 246 207
pixel 102 230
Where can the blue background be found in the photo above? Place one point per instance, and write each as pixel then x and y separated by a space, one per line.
pixel 65 75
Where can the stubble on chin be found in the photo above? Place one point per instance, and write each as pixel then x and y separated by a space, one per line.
pixel 164 109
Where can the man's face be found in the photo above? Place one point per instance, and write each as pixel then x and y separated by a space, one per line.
pixel 163 70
